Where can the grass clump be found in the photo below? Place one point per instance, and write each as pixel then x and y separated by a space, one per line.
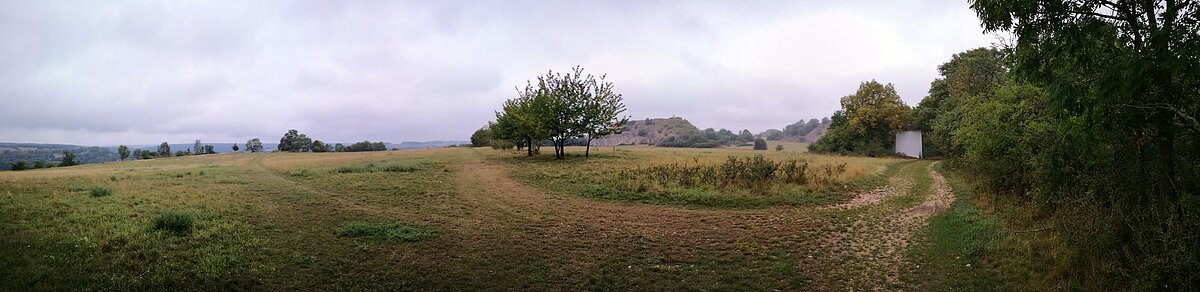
pixel 372 167
pixel 101 191
pixel 177 222
pixel 386 230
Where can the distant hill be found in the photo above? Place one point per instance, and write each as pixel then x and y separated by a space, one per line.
pixel 422 145
pixel 648 132
pixel 52 153
pixel 802 131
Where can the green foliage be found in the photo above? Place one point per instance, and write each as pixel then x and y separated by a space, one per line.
pixel 561 107
pixel 318 146
pixel 254 145
pixel 101 192
pixel 772 135
pixel 778 147
pixel 709 138
pixel 123 152
pixel 164 150
pixel 386 230
pixel 754 172
pixel 19 165
pixel 760 144
pixel 746 136
pixel 294 141
pixel 364 146
pixel 177 222
pixel 482 137
pixel 208 149
pixel 867 123
pixel 68 159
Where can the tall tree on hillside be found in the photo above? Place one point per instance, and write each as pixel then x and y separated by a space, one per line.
pixel 123 152
pixel 254 145
pixel 164 150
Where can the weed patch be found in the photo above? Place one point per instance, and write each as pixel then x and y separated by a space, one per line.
pixel 386 230
pixel 101 191
pixel 177 222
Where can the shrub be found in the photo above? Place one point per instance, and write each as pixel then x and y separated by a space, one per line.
pixel 760 144
pixel 177 222
pixel 101 191
pixel 386 230
pixel 778 147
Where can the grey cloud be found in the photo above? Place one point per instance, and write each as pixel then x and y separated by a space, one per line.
pixel 141 72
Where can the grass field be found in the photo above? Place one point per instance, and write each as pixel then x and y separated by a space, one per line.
pixel 463 219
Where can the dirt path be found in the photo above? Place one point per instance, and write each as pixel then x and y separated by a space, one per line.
pixel 872 246
pixel 499 227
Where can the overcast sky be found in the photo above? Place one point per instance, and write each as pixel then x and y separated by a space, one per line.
pixel 143 72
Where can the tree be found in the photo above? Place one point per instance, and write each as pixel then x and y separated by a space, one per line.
pixel 339 147
pixel 164 150
pixel 482 137
pixel 1120 105
pixel 760 144
pixel 235 147
pixel 519 122
pixel 746 136
pixel 208 149
pixel 867 123
pixel 19 165
pixel 68 159
pixel 293 141
pixel 601 108
pixel 778 147
pixel 198 148
pixel 318 146
pixel 254 145
pixel 123 152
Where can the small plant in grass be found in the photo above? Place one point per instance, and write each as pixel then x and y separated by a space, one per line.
pixel 177 222
pixel 101 192
pixel 386 230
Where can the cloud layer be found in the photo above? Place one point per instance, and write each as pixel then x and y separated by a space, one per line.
pixel 142 72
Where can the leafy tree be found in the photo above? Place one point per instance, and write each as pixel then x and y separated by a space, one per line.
pixel 339 147
pixel 760 144
pixel 746 136
pixel 318 146
pixel 197 148
pixel 778 147
pixel 19 165
pixel 208 149
pixel 482 137
pixel 293 141
pixel 164 150
pixel 772 134
pixel 41 164
pixel 68 159
pixel 254 145
pixel 872 115
pixel 561 108
pixel 235 147
pixel 1120 103
pixel 123 152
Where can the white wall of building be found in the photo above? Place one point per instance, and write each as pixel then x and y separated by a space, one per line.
pixel 908 143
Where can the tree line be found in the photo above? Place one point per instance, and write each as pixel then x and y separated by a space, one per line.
pixel 1088 119
pixel 557 109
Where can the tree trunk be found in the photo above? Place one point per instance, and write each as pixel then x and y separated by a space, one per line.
pixel 529 146
pixel 588 151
